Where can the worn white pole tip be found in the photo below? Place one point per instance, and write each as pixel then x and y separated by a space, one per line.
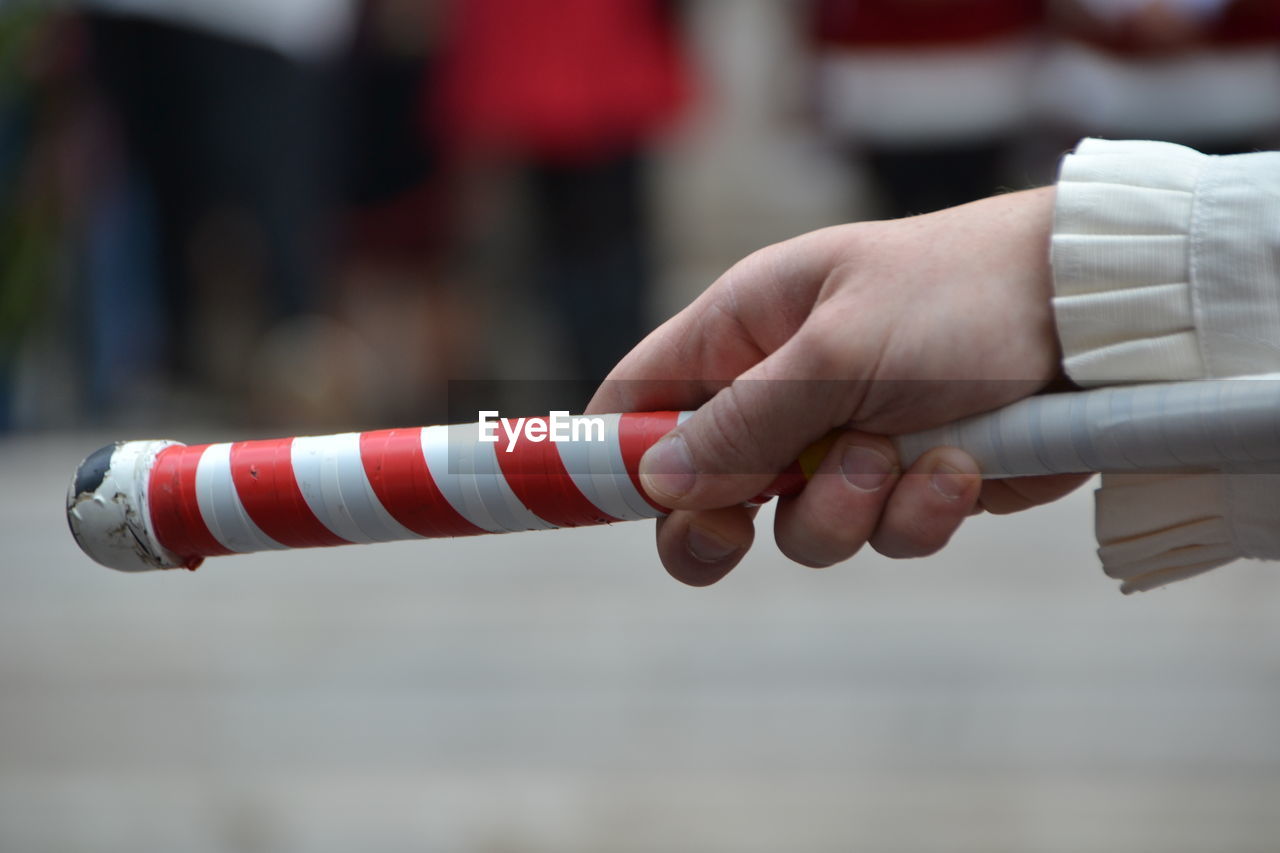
pixel 107 508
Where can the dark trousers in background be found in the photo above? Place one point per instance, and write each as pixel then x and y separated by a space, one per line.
pixel 910 180
pixel 235 145
pixel 594 257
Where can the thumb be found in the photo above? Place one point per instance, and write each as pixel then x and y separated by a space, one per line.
pixel 737 443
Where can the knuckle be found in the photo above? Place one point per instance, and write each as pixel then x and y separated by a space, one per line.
pixel 820 552
pixel 805 558
pixel 997 499
pixel 914 538
pixel 828 349
pixel 760 265
pixel 820 539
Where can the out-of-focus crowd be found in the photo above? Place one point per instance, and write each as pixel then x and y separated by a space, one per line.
pixel 310 211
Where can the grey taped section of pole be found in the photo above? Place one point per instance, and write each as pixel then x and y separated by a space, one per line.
pixel 1226 424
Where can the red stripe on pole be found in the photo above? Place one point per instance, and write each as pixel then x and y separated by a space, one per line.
pixel 175 512
pixel 537 475
pixel 268 488
pixel 398 472
pixel 636 434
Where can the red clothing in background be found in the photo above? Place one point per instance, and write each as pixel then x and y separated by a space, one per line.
pixel 1249 22
pixel 569 80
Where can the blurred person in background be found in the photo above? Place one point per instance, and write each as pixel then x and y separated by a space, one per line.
pixel 930 96
pixel 402 274
pixel 38 184
pixel 573 94
pixel 1204 73
pixel 228 113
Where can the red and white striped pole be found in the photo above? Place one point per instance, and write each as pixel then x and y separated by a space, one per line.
pixel 143 505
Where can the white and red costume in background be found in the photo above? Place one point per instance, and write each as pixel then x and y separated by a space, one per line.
pixel 902 72
pixel 1222 92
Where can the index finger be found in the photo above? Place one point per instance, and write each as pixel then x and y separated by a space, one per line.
pixel 747 314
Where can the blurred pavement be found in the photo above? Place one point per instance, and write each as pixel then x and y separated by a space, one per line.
pixel 557 692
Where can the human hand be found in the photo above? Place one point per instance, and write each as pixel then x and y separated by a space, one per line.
pixel 874 329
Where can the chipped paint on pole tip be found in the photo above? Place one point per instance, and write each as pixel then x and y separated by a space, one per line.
pixel 108 512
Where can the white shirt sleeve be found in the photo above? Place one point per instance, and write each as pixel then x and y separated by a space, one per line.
pixel 1167 263
pixel 1167 267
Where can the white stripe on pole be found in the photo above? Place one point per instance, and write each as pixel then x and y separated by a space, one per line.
pixel 333 482
pixel 223 512
pixel 472 483
pixel 595 466
pixel 488 482
pixel 435 449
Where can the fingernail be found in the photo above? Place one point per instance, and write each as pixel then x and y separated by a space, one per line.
pixel 667 468
pixel 949 482
pixel 865 468
pixel 708 547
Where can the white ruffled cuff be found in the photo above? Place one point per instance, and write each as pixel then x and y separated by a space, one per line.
pixel 1155 529
pixel 1164 263
pixel 1121 262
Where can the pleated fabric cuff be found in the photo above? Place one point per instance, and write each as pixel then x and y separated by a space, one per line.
pixel 1155 529
pixel 1122 262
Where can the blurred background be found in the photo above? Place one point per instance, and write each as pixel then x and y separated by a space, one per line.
pixel 266 217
